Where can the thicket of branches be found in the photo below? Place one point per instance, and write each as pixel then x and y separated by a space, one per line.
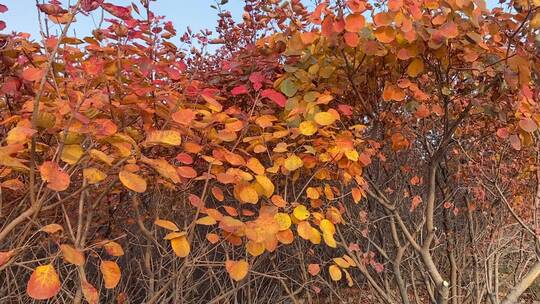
pixel 340 152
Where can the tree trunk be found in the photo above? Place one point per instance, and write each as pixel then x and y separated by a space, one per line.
pixel 527 281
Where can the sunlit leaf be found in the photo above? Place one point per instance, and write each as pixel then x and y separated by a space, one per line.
pixel 44 283
pixel 237 269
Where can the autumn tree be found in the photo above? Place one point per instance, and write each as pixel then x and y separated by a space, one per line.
pixel 384 152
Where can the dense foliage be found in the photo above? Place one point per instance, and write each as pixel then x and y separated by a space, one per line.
pixel 380 152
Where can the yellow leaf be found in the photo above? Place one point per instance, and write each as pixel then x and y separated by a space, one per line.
pixel 99 155
pixel 329 240
pixel 180 246
pixel 93 175
pixel 349 260
pixel 237 269
pixel 266 184
pixel 111 273
pixel 324 118
pixel 300 212
pixel 283 220
pixel 293 162
pixel 166 224
pixel 352 155
pixel 19 135
pixel 415 67
pixel 166 138
pixel 335 273
pixel 327 226
pixel 308 128
pixel 72 255
pixel 163 168
pixel 44 283
pixel 207 221
pixel 174 235
pixel 71 154
pixel 350 282
pixel 132 181
pixel 255 248
pixel 255 165
pixel 341 262
pixel 314 236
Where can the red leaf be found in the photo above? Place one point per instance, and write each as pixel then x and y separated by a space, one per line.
pixel 275 96
pixel 345 109
pixel 51 9
pixel 173 73
pixel 117 11
pixel 90 5
pixel 241 89
pixel 257 79
pixel 417 200
pixel 515 142
pixel 11 85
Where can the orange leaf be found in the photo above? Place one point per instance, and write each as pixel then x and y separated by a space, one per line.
pixel 72 255
pixel 186 172
pixel 278 201
pixel 180 246
pixel 449 30
pixel 111 273
pixel 212 238
pixel 415 67
pixel 354 23
pixel 113 248
pixel 44 283
pixel 5 256
pixel 33 74
pixel 237 269
pixel 165 138
pixel 132 181
pixel 392 92
pixel 335 273
pixel 184 116
pixel 51 228
pixel 218 193
pixel 351 39
pixel 255 165
pixel 385 34
pixel 56 179
pixel 166 224
pixel 206 221
pixel 395 5
pixel 90 293
pixel 314 269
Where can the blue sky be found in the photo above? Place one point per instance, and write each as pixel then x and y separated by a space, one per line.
pixel 22 15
